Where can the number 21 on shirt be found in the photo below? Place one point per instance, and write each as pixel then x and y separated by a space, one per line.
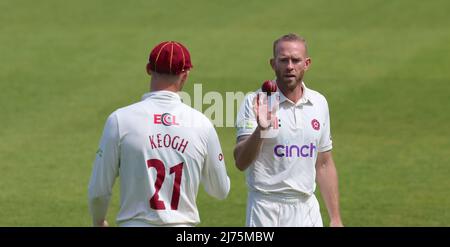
pixel 155 203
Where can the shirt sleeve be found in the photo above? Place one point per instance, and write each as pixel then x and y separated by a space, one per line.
pixel 214 175
pixel 105 170
pixel 325 143
pixel 246 120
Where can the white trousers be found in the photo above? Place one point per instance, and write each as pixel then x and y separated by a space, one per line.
pixel 277 210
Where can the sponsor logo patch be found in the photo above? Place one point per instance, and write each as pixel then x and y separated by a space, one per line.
pixel 165 119
pixel 315 124
pixel 305 151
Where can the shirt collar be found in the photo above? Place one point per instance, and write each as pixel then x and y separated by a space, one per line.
pixel 305 99
pixel 162 95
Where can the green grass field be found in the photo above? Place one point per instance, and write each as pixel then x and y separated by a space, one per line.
pixel 383 66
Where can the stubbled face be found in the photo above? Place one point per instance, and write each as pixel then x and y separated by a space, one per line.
pixel 290 64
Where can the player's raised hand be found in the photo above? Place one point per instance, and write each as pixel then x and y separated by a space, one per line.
pixel 265 108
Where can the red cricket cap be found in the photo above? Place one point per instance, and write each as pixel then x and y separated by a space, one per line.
pixel 169 57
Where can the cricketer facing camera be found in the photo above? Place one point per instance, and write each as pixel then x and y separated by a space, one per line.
pixel 161 149
pixel 282 169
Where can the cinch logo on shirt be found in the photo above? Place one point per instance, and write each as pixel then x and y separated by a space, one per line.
pixel 294 150
pixel 165 119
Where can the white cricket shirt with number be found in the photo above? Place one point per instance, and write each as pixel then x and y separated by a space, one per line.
pixel 162 150
pixel 286 163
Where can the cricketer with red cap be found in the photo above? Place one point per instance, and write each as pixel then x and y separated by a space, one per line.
pixel 161 149
pixel 169 58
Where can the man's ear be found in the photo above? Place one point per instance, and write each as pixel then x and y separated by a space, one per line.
pixel 307 63
pixel 184 75
pixel 183 78
pixel 272 63
pixel 148 68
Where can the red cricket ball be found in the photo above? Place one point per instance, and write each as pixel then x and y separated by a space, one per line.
pixel 269 87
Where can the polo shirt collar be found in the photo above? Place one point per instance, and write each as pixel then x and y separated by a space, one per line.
pixel 162 95
pixel 305 99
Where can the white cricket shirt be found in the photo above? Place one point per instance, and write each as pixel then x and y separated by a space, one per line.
pixel 286 162
pixel 162 150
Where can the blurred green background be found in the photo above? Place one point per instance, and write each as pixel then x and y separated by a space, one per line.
pixel 383 66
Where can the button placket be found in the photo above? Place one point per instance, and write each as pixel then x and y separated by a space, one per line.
pixel 298 111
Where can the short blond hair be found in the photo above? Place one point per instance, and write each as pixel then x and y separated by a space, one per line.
pixel 289 37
